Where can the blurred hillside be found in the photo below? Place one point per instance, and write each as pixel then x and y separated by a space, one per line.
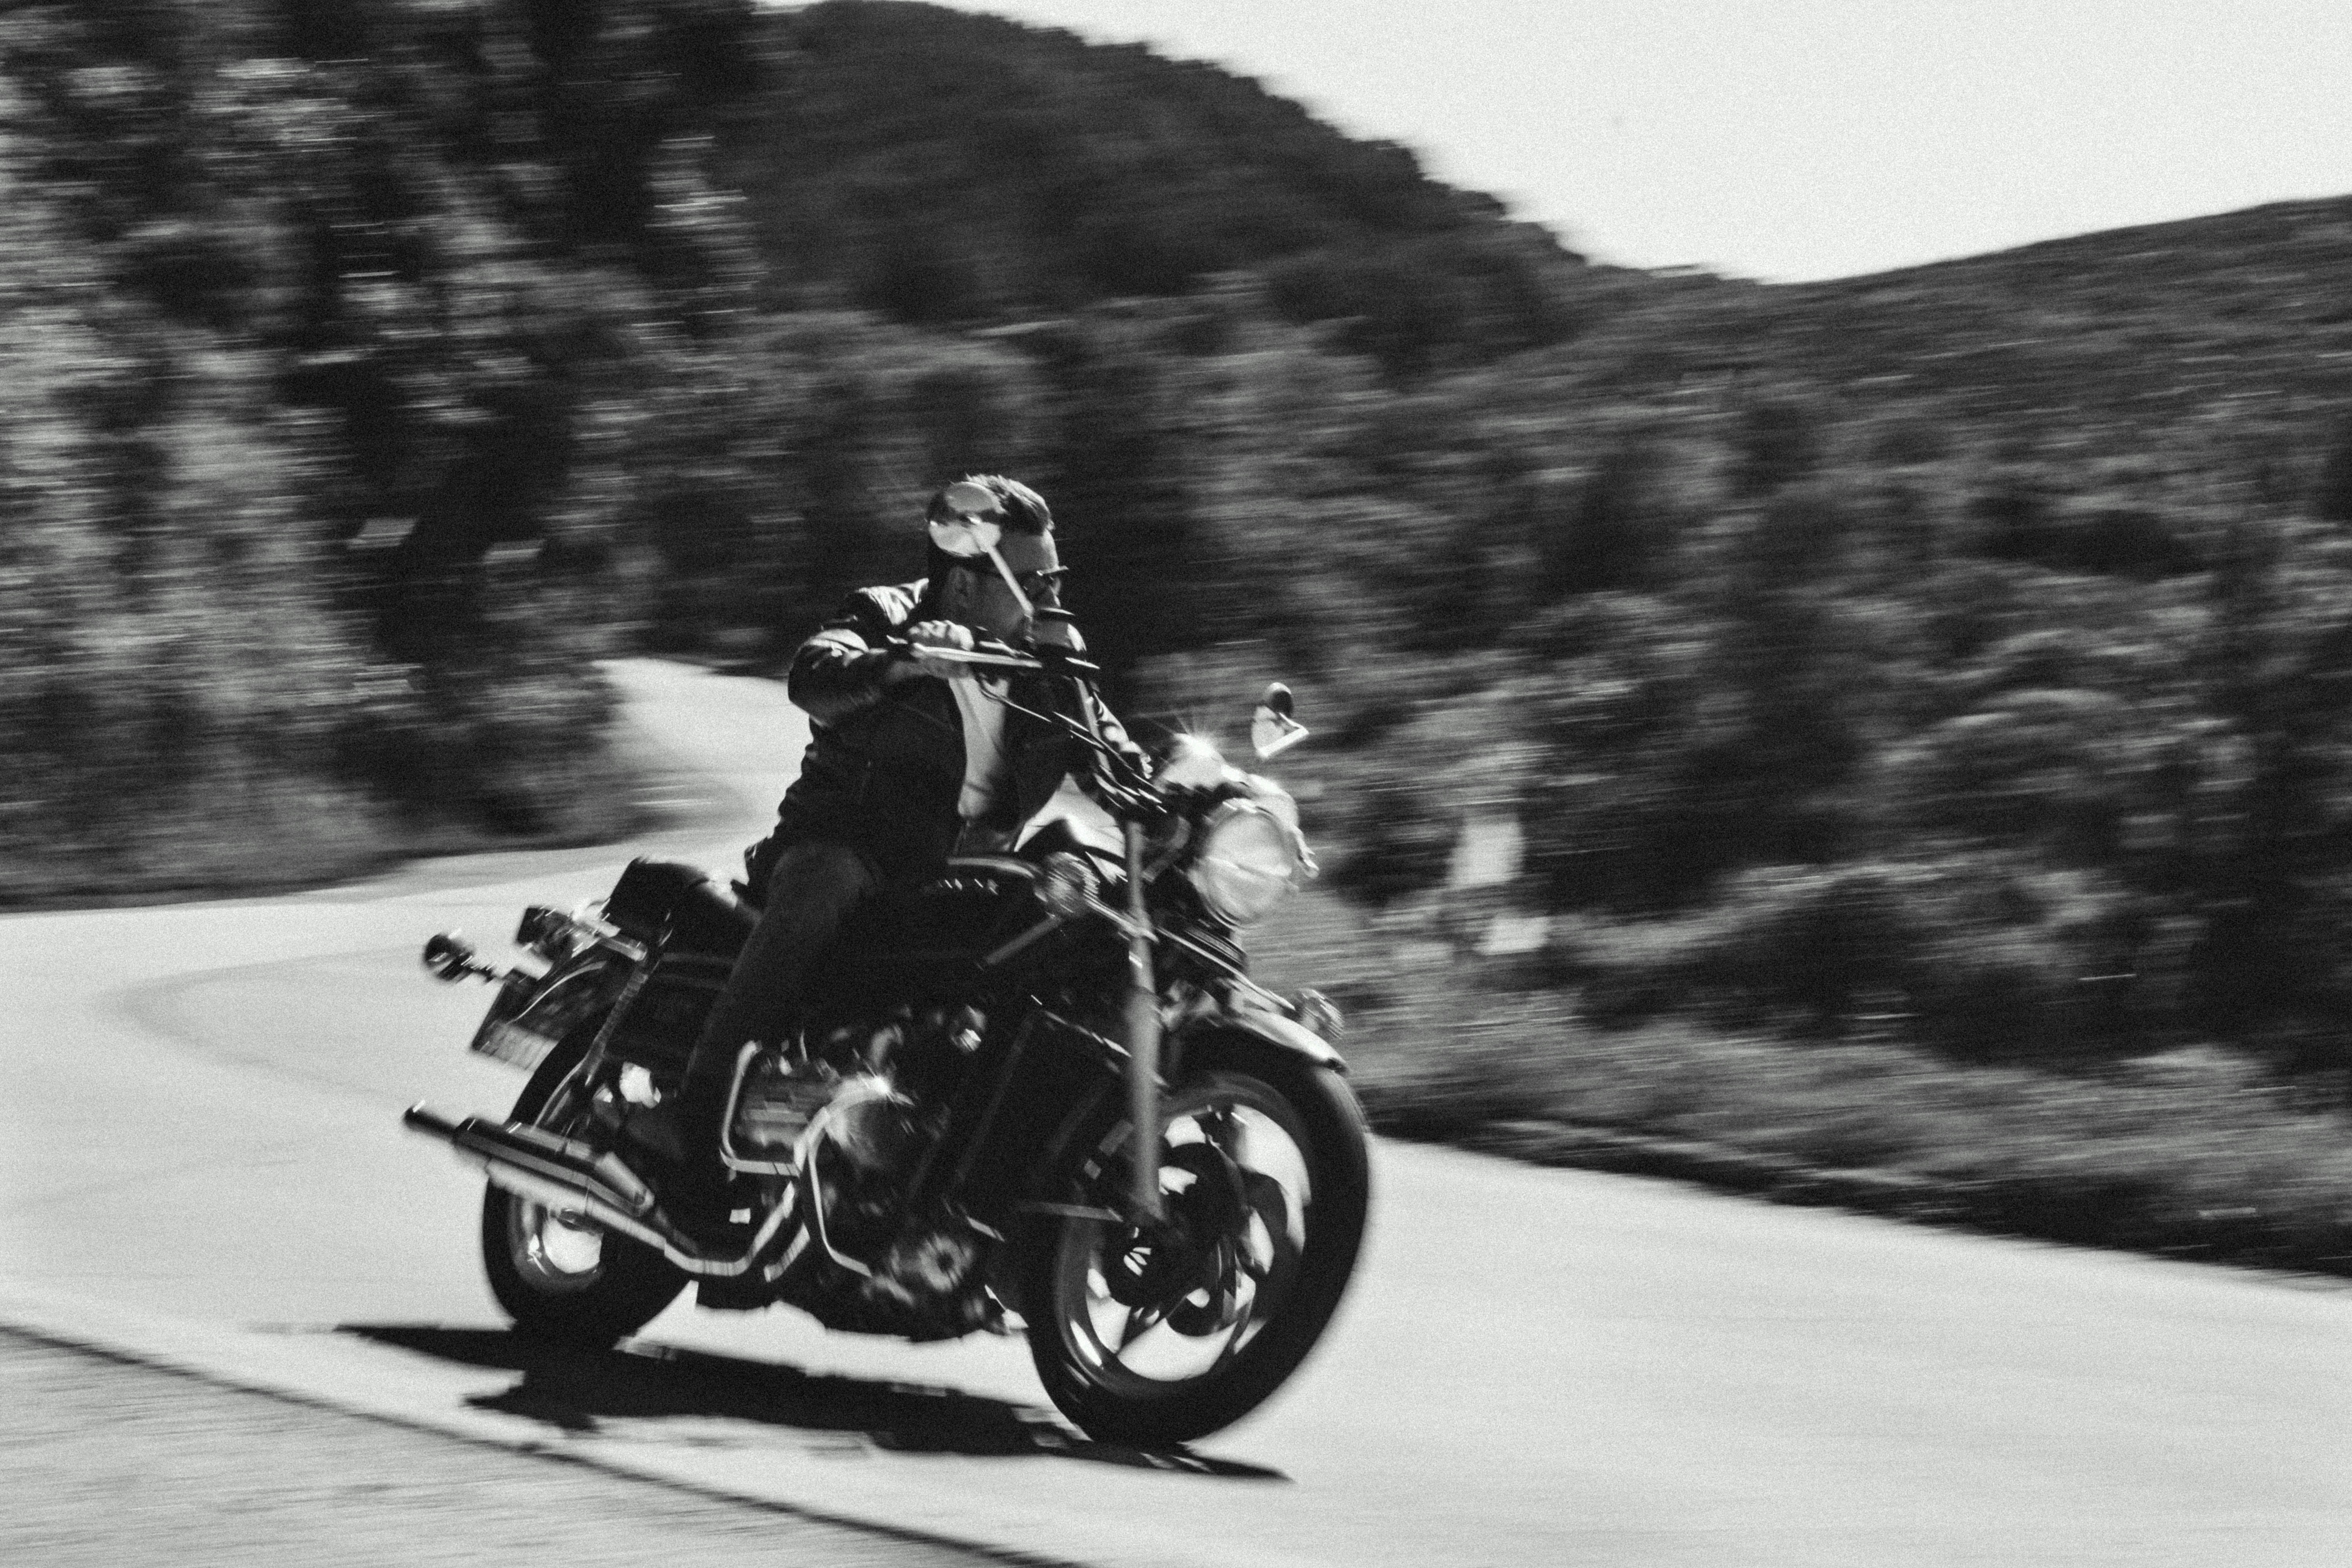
pixel 1959 656
pixel 324 326
pixel 945 168
pixel 2240 316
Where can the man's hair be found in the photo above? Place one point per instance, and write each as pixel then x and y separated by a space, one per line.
pixel 1025 511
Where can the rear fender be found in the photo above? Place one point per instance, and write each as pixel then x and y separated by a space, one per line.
pixel 528 1016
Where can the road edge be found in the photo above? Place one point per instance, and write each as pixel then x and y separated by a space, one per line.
pixel 236 1359
pixel 1784 1179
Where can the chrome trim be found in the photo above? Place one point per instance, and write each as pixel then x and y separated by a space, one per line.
pixel 561 1175
pixel 1008 865
pixel 1045 927
pixel 1119 920
pixel 727 1154
pixel 1072 1211
pixel 775 1271
pixel 816 1218
pixel 816 1221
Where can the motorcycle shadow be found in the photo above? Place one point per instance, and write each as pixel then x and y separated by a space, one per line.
pixel 579 1391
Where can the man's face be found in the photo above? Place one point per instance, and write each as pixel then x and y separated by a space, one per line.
pixel 978 599
pixel 975 593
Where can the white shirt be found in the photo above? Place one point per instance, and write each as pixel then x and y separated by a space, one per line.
pixel 986 768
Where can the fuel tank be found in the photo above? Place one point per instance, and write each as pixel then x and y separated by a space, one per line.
pixel 926 941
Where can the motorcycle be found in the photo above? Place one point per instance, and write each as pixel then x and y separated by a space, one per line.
pixel 948 1144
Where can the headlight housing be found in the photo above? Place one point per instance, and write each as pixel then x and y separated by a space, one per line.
pixel 1249 859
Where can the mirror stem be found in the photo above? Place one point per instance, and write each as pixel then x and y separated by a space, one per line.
pixel 1028 610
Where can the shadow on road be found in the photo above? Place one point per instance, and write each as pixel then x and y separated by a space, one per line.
pixel 576 1390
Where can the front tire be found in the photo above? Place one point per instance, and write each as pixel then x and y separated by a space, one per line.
pixel 572 1284
pixel 1162 1339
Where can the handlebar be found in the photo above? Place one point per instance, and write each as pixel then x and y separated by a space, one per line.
pixel 1120 781
pixel 1002 655
pixel 981 659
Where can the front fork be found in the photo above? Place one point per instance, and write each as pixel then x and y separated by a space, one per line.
pixel 1142 1040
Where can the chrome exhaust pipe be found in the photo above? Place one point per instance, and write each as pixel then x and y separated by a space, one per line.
pixel 577 1180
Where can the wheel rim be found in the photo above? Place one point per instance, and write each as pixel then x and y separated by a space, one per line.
pixel 1151 1316
pixel 550 1252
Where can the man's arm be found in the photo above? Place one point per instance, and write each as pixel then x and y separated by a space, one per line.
pixel 1046 755
pixel 845 669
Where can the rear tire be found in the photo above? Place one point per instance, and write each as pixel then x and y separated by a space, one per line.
pixel 573 1284
pixel 1267 1173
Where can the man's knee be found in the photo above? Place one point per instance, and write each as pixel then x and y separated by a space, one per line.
pixel 818 873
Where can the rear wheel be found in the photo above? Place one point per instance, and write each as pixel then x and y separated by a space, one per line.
pixel 1162 1336
pixel 559 1281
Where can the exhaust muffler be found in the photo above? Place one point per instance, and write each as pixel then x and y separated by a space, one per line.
pixel 576 1181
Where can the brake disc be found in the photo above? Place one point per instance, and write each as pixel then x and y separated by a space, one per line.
pixel 1215 1219
pixel 1191 1249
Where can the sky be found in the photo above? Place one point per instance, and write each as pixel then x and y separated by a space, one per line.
pixel 1793 139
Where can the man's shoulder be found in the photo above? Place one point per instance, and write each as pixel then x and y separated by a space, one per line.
pixel 878 610
pixel 887 603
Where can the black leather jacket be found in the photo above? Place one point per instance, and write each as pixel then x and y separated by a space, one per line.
pixel 885 766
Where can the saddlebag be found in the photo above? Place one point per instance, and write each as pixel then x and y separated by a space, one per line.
pixel 657 1027
pixel 695 926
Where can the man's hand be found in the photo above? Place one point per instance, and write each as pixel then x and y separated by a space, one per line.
pixel 940 634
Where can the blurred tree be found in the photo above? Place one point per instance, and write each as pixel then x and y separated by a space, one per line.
pixel 2331 495
pixel 1112 470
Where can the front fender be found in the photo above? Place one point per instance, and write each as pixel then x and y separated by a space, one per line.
pixel 1094 1106
pixel 1244 1013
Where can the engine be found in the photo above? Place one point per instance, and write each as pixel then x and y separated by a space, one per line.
pixel 846 1116
pixel 865 1086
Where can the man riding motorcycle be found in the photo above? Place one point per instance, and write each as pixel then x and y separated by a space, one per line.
pixel 911 758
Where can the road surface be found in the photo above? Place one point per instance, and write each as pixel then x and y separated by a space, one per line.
pixel 204 1163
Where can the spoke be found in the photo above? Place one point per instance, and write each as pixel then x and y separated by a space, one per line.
pixel 1140 1321
pixel 1232 1341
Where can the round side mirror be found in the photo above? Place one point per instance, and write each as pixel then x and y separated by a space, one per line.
pixel 1273 729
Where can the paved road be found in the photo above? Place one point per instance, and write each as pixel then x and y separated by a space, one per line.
pixel 1537 1366
pixel 183 1472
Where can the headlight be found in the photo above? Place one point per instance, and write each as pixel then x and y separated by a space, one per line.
pixel 1248 859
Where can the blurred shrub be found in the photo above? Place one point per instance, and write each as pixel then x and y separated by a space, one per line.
pixel 2331 491
pixel 301 478
pixel 1777 442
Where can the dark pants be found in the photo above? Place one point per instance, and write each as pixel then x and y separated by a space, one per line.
pixel 811 887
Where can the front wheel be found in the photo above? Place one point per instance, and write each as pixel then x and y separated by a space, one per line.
pixel 1160 1337
pixel 570 1283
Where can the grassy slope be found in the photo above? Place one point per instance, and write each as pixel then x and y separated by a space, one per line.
pixel 2193 1152
pixel 2103 345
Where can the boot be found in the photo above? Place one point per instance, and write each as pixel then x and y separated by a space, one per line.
pixel 699 1203
pixel 681 1135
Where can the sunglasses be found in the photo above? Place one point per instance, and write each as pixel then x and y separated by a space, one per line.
pixel 1028 582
